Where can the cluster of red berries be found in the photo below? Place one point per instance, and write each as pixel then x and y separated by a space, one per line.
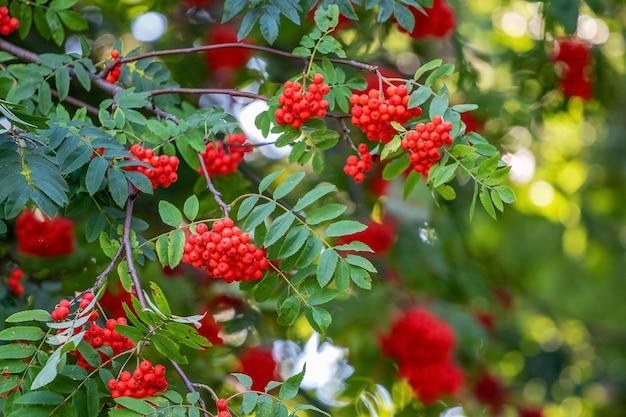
pixel 438 21
pixel 423 346
pixel 222 408
pixel 164 172
pixel 219 160
pixel 97 336
pixel 114 74
pixel 489 390
pixel 145 381
pixel 576 57
pixel 225 252
pixel 379 236
pixel 62 310
pixel 8 24
pixel 40 235
pixel 298 106
pixel 424 142
pixel 357 167
pixel 14 282
pixel 259 364
pixel 374 114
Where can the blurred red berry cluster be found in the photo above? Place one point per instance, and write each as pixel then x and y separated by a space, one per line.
pixel 575 56
pixel 423 347
pixel 259 364
pixel 14 282
pixel 40 235
pixel 438 21
pixel 8 24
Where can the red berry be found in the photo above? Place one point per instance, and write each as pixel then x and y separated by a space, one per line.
pixel 222 404
pixel 115 54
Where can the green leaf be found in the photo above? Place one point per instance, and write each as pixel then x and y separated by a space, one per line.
pixel 29 315
pixel 191 207
pixel 192 397
pixel 404 17
pixel 135 404
pixel 343 228
pixel 313 196
pixel 82 75
pixel 169 213
pixel 419 96
pixel 95 174
pixel 291 386
pixel 62 82
pixel 265 182
pixel 40 398
pixel 286 187
pixel 361 277
pixel 168 348
pixel 73 21
pixel 325 213
pixel 259 215
pixel 506 194
pixel 173 396
pixel 248 403
pixel 288 311
pixel 7 383
pixel 324 139
pixel 361 262
pixel 118 186
pixel 326 266
pixel 485 200
pixel 243 379
pixel 497 201
pixel 159 298
pixel 488 167
pixel 323 296
pixel 294 241
pixel 49 371
pixel 462 151
pixel 246 206
pixel 462 108
pixel 396 167
pixel 438 106
pixel 59 5
pixel 130 332
pixel 56 28
pixel 446 192
pixel 445 69
pixel 30 333
pixel 123 412
pixel 445 174
pixel 318 318
pixel 269 27
pixel 16 351
pixel 265 288
pixel 278 228
pixel 430 65
pixel 90 354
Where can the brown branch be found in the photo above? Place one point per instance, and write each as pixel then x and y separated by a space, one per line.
pixel 128 247
pixel 123 60
pixel 226 91
pixel 96 80
pixel 190 385
pixel 209 184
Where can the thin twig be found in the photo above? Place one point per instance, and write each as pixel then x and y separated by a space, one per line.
pixel 100 278
pixel 128 248
pixel 209 184
pixel 76 102
pixel 189 385
pixel 227 91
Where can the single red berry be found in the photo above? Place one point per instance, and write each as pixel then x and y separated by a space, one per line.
pixel 115 54
pixel 222 404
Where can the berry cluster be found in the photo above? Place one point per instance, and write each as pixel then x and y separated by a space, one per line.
pixel 164 172
pixel 225 252
pixel 62 310
pixel 145 381
pixel 222 408
pixel 114 75
pixel 357 167
pixel 424 143
pixel 438 21
pixel 97 336
pixel 576 57
pixel 42 236
pixel 14 282
pixel 298 106
pixel 373 114
pixel 222 161
pixel 490 390
pixel 423 346
pixel 379 236
pixel 259 364
pixel 8 24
